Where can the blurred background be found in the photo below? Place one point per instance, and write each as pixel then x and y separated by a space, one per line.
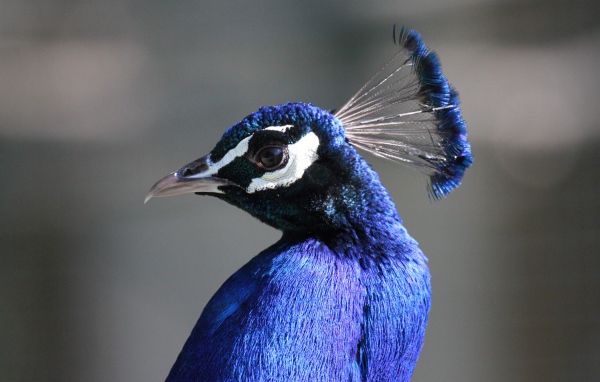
pixel 99 99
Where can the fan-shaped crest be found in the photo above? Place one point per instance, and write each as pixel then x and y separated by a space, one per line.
pixel 409 113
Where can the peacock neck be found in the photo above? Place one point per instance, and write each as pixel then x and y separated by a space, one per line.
pixel 361 218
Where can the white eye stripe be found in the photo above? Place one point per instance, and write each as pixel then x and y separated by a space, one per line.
pixel 283 128
pixel 235 152
pixel 302 154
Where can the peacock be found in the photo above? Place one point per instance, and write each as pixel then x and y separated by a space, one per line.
pixel 344 295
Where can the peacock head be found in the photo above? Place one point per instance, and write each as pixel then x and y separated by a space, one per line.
pixel 287 165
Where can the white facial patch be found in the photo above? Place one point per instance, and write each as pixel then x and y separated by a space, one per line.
pixel 301 155
pixel 235 152
pixel 283 128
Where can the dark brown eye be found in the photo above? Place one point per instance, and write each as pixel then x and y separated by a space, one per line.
pixel 271 158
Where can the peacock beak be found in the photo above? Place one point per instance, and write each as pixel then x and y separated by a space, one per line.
pixel 193 177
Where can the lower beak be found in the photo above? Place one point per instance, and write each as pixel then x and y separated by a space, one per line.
pixel 176 183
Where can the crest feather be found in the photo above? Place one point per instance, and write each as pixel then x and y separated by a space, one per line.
pixel 409 113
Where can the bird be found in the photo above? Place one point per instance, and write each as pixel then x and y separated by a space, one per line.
pixel 344 294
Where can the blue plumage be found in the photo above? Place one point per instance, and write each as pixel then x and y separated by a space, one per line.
pixel 344 294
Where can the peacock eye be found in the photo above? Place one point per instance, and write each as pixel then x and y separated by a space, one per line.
pixel 271 158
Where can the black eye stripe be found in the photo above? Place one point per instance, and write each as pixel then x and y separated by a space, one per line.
pixel 241 171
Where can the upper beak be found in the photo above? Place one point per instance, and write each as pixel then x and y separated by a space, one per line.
pixel 188 179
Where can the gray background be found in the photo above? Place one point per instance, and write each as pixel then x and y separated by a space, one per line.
pixel 99 99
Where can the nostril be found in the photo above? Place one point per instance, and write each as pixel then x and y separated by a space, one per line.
pixel 202 167
pixel 186 172
pixel 193 168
